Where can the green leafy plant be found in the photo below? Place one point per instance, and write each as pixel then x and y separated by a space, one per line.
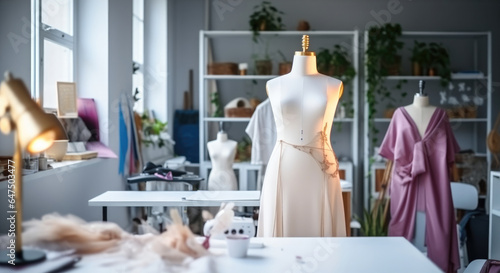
pixel 374 222
pixel 420 53
pixel 215 100
pixel 336 63
pixel 243 149
pixel 381 54
pixel 433 57
pixel 152 130
pixel 265 17
pixel 419 58
pixel 440 61
pixel 324 61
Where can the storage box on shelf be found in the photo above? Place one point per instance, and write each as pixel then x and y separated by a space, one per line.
pixel 344 142
pixel 467 98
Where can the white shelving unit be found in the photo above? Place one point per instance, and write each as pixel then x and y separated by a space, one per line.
pixel 351 37
pixel 494 238
pixel 478 58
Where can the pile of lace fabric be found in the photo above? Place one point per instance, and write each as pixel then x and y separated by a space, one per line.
pixel 105 245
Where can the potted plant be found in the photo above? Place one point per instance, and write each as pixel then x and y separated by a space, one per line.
pixel 262 61
pixel 335 63
pixel 324 62
pixel 419 58
pixel 285 66
pixel 265 17
pixel 439 63
pixel 341 64
pixel 154 131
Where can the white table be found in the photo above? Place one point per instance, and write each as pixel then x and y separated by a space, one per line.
pixel 348 254
pixel 173 199
pixel 345 255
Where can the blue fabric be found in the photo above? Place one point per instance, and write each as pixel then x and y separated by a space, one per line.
pixel 123 141
pixel 135 149
pixel 186 134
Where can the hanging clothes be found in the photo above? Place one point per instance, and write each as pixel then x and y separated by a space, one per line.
pixel 420 181
pixel 262 130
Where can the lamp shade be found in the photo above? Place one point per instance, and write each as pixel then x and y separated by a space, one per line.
pixel 59 128
pixel 36 129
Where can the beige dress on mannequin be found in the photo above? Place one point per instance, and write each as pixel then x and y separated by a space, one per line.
pixel 301 193
pixel 222 152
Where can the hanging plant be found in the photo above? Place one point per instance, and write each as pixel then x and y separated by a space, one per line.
pixel 381 59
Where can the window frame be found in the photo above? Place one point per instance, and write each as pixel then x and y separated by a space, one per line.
pixel 138 106
pixel 41 32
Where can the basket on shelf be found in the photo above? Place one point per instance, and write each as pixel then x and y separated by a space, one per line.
pixel 462 112
pixel 222 69
pixel 238 108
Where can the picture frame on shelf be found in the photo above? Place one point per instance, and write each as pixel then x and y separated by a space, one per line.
pixel 66 100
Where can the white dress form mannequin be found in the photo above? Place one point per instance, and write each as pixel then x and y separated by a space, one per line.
pixel 301 194
pixel 222 152
pixel 421 112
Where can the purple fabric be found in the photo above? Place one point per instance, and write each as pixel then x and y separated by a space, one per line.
pixel 491 266
pixel 421 168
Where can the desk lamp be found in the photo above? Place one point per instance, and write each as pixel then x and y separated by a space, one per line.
pixel 34 132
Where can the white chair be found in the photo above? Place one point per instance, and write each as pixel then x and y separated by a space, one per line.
pixel 465 196
pixel 475 266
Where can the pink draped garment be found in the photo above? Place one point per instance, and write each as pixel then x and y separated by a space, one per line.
pixel 420 181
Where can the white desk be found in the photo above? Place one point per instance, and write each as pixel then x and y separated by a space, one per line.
pixel 349 254
pixel 344 255
pixel 173 199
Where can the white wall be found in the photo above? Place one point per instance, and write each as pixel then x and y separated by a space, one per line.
pixel 104 72
pixel 155 58
pixel 15 48
pixel 92 45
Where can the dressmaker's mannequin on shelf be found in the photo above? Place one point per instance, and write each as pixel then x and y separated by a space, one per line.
pixel 301 193
pixel 222 152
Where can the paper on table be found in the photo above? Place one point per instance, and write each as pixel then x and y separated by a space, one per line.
pixel 224 196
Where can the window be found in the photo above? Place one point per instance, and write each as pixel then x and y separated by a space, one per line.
pixel 138 54
pixel 53 48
